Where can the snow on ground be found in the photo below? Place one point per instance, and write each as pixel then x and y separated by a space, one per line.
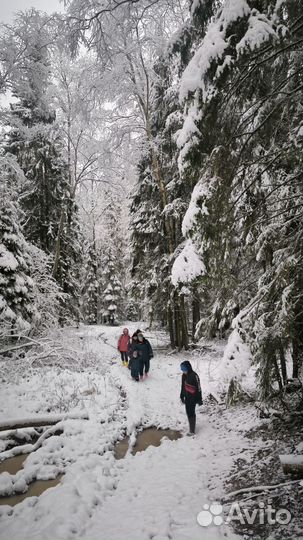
pixel 155 494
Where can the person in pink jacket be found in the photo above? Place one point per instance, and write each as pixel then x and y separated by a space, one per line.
pixel 123 345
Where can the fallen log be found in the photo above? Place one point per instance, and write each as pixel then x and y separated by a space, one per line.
pixel 29 448
pixel 292 464
pixel 47 420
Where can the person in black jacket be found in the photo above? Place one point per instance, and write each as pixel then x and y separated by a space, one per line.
pixel 134 364
pixel 145 353
pixel 190 394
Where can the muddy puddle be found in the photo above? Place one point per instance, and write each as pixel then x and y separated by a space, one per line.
pixel 12 466
pixel 147 437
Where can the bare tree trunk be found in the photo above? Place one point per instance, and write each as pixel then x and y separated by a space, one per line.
pixel 69 151
pixel 183 316
pixel 283 365
pixel 295 360
pixel 171 327
pixel 195 312
pixel 58 244
pixel 177 321
pixel 151 319
pixel 278 374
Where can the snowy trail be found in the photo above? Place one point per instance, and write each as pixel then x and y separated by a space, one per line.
pixel 154 494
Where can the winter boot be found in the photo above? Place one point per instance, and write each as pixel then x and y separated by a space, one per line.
pixel 192 425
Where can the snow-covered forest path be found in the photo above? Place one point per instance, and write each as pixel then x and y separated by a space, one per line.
pixel 155 494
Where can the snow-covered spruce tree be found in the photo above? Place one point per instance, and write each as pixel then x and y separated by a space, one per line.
pixel 176 303
pixel 152 287
pixel 33 137
pixel 46 196
pixel 158 206
pixel 203 163
pixel 113 257
pixel 68 257
pixel 17 309
pixel 112 291
pixel 274 319
pixel 240 140
pixel 148 274
pixel 30 297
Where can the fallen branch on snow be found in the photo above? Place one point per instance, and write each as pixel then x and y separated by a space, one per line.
pixel 16 347
pixel 260 489
pixel 29 448
pixel 41 421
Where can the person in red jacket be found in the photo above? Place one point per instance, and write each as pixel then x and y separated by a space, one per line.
pixel 123 346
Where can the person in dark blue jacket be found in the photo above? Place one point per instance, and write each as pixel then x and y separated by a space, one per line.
pixel 191 394
pixel 145 353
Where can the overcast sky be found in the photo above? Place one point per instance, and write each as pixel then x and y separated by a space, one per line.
pixel 8 7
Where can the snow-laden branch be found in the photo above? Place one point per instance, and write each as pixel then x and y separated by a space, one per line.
pixel 187 266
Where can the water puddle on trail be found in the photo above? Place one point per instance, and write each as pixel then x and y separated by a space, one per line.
pixel 12 466
pixel 148 437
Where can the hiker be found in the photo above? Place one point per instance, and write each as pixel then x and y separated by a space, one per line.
pixel 191 394
pixel 131 346
pixel 123 344
pixel 134 366
pixel 145 353
pixel 133 363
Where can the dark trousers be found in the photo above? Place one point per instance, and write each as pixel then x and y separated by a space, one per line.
pixel 124 356
pixel 144 366
pixel 190 407
pixel 134 368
